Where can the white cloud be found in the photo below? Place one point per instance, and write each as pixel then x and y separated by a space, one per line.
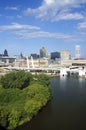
pixel 70 16
pixel 19 16
pixel 54 10
pixel 82 25
pixel 17 26
pixel 41 34
pixel 29 31
pixel 49 1
pixel 12 8
pixel 25 31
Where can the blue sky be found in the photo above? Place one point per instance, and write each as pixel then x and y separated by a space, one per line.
pixel 28 25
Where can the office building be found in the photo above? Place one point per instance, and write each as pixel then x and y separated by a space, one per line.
pixel 77 51
pixel 55 55
pixel 65 55
pixel 35 56
pixel 42 52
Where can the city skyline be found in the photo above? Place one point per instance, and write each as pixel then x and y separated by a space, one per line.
pixel 26 26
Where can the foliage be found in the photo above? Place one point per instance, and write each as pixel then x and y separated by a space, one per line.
pixel 32 107
pixel 37 89
pixel 43 79
pixel 3 115
pixel 13 118
pixel 19 79
pixel 20 105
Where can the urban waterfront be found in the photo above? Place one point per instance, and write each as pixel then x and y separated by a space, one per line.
pixel 66 110
pixel 42 41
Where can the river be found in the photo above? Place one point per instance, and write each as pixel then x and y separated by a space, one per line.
pixel 66 110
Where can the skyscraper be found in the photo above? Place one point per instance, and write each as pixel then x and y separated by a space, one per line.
pixel 42 52
pixel 55 55
pixel 5 53
pixel 77 51
pixel 65 55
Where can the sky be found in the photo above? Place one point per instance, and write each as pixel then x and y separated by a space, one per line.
pixel 28 25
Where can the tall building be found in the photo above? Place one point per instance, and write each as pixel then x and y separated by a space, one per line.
pixel 65 55
pixel 77 51
pixel 55 55
pixel 35 56
pixel 42 52
pixel 5 53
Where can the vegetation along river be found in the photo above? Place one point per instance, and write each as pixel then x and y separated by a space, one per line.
pixel 66 110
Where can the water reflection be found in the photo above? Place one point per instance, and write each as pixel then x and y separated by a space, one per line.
pixel 81 82
pixel 63 81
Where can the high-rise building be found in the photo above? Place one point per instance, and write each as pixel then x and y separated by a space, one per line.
pixel 35 56
pixel 65 55
pixel 55 55
pixel 5 53
pixel 43 52
pixel 77 51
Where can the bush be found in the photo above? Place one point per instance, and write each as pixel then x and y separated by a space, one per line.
pixel 3 116
pixel 18 106
pixel 20 79
pixel 43 79
pixel 13 118
pixel 32 107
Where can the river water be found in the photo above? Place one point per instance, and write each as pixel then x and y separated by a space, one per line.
pixel 66 110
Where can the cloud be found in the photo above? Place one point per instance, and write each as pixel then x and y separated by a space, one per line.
pixel 19 16
pixel 29 31
pixel 12 8
pixel 25 31
pixel 82 25
pixel 17 26
pixel 53 10
pixel 49 1
pixel 70 16
pixel 41 34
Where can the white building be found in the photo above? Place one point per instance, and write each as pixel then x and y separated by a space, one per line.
pixel 63 72
pixel 77 51
pixel 65 55
pixel 82 73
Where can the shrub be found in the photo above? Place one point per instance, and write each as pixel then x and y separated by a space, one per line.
pixel 43 79
pixel 13 119
pixel 19 79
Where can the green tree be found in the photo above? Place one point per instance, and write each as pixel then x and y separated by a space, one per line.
pixel 19 105
pixel 44 79
pixel 3 116
pixel 20 79
pixel 32 107
pixel 13 119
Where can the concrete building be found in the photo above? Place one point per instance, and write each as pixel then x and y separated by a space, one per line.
pixel 31 63
pixel 43 52
pixel 77 52
pixel 82 73
pixel 80 63
pixel 4 54
pixel 6 61
pixel 65 55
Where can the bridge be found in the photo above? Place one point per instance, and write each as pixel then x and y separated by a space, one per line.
pixel 51 70
pixel 41 69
